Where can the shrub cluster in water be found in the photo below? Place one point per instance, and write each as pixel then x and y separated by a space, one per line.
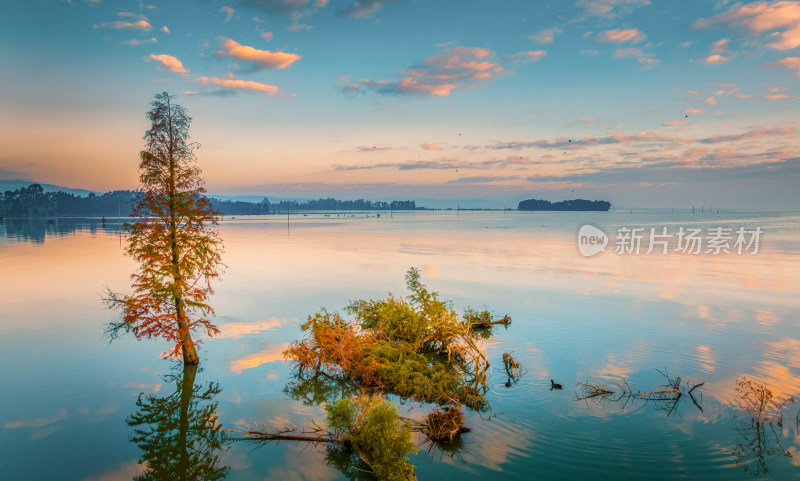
pixel 416 347
pixel 373 427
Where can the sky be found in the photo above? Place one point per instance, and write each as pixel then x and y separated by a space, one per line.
pixel 643 103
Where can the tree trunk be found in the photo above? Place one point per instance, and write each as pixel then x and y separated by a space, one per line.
pixel 189 372
pixel 187 344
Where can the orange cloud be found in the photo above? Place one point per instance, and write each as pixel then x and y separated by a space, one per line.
pixel 694 111
pixel 431 146
pixel 170 63
pixel 775 97
pixel 260 59
pixel 631 35
pixel 120 24
pixel 781 18
pixel 231 82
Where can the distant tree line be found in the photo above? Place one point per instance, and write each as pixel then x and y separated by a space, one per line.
pixel 565 205
pixel 32 201
pixel 334 204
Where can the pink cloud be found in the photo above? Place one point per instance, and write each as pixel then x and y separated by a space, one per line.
pixel 532 55
pixel 365 8
pixel 715 59
pixel 710 101
pixel 694 111
pixel 628 52
pixel 720 46
pixel 610 8
pixel 545 36
pixel 231 82
pixel 294 9
pixel 792 63
pixel 631 35
pixel 170 63
pixel 781 18
pixel 438 75
pixel 298 27
pixel 267 36
pixel 777 90
pixel 431 146
pixel 228 11
pixel 641 56
pixel 674 123
pixel 143 25
pixel 136 42
pixel 757 133
pixel 260 59
pixel 775 97
pixel 165 30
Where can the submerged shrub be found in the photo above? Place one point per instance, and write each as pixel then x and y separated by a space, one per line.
pixel 372 426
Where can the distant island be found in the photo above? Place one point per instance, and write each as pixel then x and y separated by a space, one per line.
pixel 565 205
pixel 34 201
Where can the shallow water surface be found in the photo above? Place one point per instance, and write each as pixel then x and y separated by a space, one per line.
pixel 70 398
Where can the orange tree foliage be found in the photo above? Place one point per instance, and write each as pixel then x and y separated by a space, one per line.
pixel 173 238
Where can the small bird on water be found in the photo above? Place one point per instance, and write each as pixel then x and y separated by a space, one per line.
pixel 554 385
pixel 508 383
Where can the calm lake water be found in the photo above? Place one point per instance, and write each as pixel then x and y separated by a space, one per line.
pixel 69 398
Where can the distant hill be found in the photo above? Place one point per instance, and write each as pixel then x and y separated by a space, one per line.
pixel 15 184
pixel 565 205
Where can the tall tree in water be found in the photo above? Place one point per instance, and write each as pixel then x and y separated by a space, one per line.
pixel 173 238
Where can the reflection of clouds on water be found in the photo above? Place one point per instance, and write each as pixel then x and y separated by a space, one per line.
pixel 786 351
pixel 270 353
pixel 501 442
pixel 36 422
pixel 126 471
pixel 766 317
pixel 302 464
pixel 143 387
pixel 706 357
pixel 609 370
pixel 235 330
pixel 778 377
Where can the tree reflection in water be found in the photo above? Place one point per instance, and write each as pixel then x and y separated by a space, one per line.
pixel 178 434
pixel 760 437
